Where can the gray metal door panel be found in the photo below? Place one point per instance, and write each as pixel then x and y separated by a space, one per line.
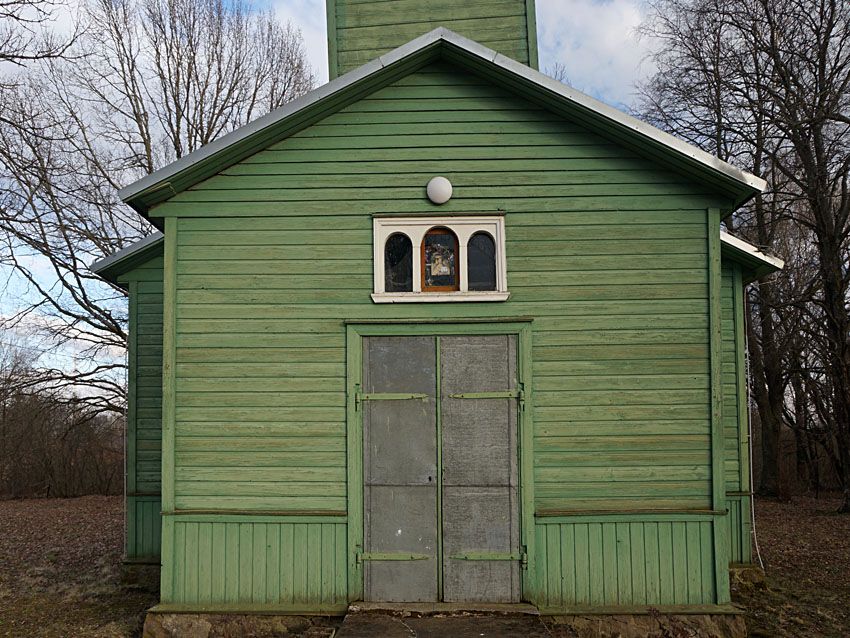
pixel 480 478
pixel 478 521
pixel 400 473
pixel 401 521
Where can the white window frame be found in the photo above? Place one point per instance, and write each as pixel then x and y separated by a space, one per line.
pixel 416 228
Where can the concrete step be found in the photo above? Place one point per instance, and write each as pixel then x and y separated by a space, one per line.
pixel 456 624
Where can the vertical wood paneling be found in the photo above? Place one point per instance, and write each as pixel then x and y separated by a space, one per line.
pixel 254 564
pixel 144 529
pixel 626 563
pixel 740 530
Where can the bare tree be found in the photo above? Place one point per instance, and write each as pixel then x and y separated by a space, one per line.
pixel 766 85
pixel 153 81
pixel 558 71
pixel 24 36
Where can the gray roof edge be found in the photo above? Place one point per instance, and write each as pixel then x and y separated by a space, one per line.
pixel 101 265
pixel 630 122
pixel 442 34
pixel 751 251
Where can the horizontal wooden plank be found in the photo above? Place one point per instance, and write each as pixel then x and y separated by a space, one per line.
pixel 259 459
pixel 248 489
pixel 258 444
pixel 320 474
pixel 247 429
pixel 618 428
pixel 260 503
pixel 634 443
pixel 259 415
pixel 602 475
pixel 603 458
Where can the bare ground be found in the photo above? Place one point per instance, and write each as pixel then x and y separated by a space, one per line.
pixel 59 570
pixel 805 547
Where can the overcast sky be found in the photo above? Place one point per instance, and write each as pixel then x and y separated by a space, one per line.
pixel 594 39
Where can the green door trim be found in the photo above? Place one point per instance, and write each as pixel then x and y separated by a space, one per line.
pixel 355 332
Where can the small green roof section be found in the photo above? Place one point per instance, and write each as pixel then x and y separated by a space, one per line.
pixel 442 44
pixel 757 264
pixel 116 264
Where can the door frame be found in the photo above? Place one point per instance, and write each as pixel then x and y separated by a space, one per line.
pixel 355 332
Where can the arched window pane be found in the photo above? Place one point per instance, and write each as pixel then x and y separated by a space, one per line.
pixel 398 264
pixel 439 261
pixel 481 260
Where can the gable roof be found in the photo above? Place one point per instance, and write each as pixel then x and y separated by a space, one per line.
pixel 113 266
pixel 757 263
pixel 441 43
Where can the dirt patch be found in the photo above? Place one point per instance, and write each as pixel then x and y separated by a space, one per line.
pixel 805 546
pixel 60 570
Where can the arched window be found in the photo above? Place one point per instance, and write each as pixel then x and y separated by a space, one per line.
pixel 439 261
pixel 481 262
pixel 398 264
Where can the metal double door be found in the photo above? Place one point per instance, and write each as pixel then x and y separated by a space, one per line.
pixel 441 512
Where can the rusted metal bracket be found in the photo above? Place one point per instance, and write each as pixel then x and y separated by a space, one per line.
pixel 522 557
pixel 518 394
pixel 360 397
pixel 381 556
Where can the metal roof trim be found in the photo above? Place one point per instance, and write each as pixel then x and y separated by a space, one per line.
pixel 110 261
pixel 760 262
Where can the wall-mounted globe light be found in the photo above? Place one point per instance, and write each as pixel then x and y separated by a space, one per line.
pixel 439 190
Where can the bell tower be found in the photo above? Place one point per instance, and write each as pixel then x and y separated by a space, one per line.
pixel 362 30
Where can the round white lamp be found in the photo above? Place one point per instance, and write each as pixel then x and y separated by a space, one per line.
pixel 439 190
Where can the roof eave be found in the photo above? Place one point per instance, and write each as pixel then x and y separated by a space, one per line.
pixel 757 263
pixel 113 266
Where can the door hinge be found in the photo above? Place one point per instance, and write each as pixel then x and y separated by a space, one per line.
pixel 361 557
pixel 522 557
pixel 360 397
pixel 518 394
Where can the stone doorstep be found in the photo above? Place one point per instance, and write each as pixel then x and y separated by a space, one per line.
pixel 435 609
pixel 382 624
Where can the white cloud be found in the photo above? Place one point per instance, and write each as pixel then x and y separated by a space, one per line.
pixel 596 41
pixel 310 17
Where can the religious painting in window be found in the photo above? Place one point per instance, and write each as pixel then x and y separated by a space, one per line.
pixel 439 261
pixel 398 264
pixel 481 262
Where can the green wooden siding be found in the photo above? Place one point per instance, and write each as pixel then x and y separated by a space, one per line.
pixel 361 31
pixel 245 564
pixel 735 428
pixel 608 253
pixel 144 427
pixel 144 529
pixel 604 563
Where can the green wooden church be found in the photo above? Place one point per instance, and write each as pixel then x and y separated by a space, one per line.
pixel 441 330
